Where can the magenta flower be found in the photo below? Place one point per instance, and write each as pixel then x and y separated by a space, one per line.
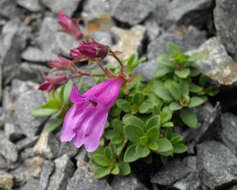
pixel 90 50
pixel 52 83
pixel 69 25
pixel 60 63
pixel 84 123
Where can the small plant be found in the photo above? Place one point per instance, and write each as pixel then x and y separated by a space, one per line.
pixel 141 122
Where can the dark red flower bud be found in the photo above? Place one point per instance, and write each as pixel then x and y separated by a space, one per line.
pixel 52 83
pixel 60 63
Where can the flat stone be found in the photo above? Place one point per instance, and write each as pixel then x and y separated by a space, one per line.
pixel 47 146
pixel 234 187
pixel 26 143
pixel 68 7
pixel 93 9
pixel 152 28
pixel 225 13
pixel 208 125
pixel 147 69
pixel 31 184
pixel 83 179
pixel 190 182
pixel 215 62
pixel 63 171
pixel 129 182
pixel 187 38
pixel 102 37
pixel 170 173
pixel 46 172
pixel 6 181
pixel 228 132
pixel 12 132
pixel 27 153
pixel 33 6
pixel 131 11
pixel 67 148
pixel 27 99
pixel 188 11
pixel 31 168
pixel 217 165
pixel 130 41
pixel 8 9
pixel 8 149
pixel 3 162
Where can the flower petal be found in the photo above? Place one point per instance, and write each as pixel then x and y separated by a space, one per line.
pixel 73 119
pixel 75 96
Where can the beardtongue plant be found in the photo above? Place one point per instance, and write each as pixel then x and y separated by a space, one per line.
pixel 121 120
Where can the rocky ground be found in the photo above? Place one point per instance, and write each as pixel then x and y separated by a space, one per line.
pixel 28 40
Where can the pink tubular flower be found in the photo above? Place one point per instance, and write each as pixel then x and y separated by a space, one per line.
pixel 60 63
pixel 84 123
pixel 52 83
pixel 69 25
pixel 90 50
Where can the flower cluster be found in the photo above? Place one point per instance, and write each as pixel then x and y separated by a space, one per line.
pixel 85 121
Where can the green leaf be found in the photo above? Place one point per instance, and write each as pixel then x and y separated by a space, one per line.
pixel 168 124
pixel 163 93
pixel 188 117
pixel 101 172
pixel 101 159
pixel 195 57
pixel 180 148
pixel 185 87
pixel 142 151
pixel 124 168
pixel 153 145
pixel 173 49
pixel 196 101
pixel 133 132
pixel 133 120
pixel 163 60
pixel 176 138
pixel 44 111
pixel 132 59
pixel 174 89
pixel 108 153
pixel 196 89
pixel 130 154
pixel 123 105
pixel 138 98
pixel 146 106
pixel 67 91
pixel 52 125
pixel 164 145
pixel 115 170
pixel 153 133
pixel 162 71
pixel 143 140
pixel 165 116
pixel 182 73
pixel 174 106
pixel 194 72
pixel 153 122
pixel 116 139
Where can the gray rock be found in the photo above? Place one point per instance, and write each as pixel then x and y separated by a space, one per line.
pixel 27 153
pixel 8 149
pixel 216 63
pixel 25 103
pixel 226 26
pixel 12 131
pixel 47 146
pixel 190 182
pixel 31 168
pixel 83 179
pixel 63 171
pixel 67 148
pixel 31 184
pixel 152 28
pixel 131 11
pixel 188 12
pixel 8 9
pixel 186 38
pixel 30 5
pixel 208 125
pixel 3 162
pixel 102 37
pixel 128 183
pixel 82 156
pixel 170 173
pixel 13 40
pixel 217 165
pixel 1 83
pixel 26 143
pixel 160 10
pixel 68 7
pixel 147 69
pixel 93 9
pixel 46 172
pixel 6 181
pixel 234 187
pixel 228 132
